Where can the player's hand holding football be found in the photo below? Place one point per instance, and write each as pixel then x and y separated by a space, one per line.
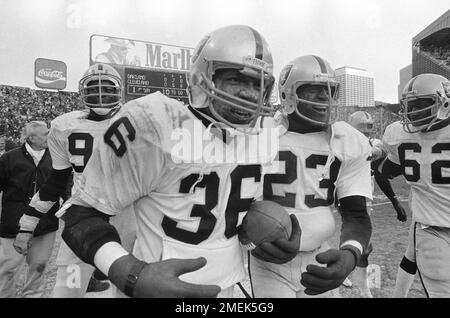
pixel 281 250
pixel 160 279
pixel 318 279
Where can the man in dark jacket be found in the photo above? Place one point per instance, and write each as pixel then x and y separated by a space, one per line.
pixel 22 172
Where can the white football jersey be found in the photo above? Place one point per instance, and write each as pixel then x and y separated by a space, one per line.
pixel 311 170
pixel 72 139
pixel 425 162
pixel 153 156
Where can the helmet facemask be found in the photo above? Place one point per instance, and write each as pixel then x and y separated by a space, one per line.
pixel 416 118
pixel 332 89
pixel 425 102
pixel 203 93
pixel 309 105
pixel 101 93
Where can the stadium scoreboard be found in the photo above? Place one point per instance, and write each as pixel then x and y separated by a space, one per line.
pixel 140 82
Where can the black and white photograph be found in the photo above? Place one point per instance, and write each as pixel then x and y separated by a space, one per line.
pixel 246 150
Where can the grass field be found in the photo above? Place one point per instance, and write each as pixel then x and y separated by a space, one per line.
pixel 389 239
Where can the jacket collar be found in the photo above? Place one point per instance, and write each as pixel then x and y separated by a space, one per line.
pixel 27 154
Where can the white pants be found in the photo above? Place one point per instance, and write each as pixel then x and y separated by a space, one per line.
pixel 11 263
pixel 271 280
pixel 72 277
pixel 410 252
pixel 433 259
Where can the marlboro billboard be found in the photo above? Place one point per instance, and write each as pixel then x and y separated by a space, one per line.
pixel 145 67
pixel 50 74
pixel 139 54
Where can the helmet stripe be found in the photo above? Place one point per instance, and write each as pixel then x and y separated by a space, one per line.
pixel 410 87
pixel 259 44
pixel 323 67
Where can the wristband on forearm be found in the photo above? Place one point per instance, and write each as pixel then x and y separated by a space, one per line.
pixel 356 226
pixel 354 247
pixel 28 223
pixel 40 205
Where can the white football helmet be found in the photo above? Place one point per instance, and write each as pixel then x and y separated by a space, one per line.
pixel 101 89
pixel 308 69
pixel 434 91
pixel 232 47
pixel 362 121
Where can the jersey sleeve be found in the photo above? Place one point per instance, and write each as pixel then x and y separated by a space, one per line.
pixel 389 144
pixel 355 178
pixel 57 144
pixel 354 151
pixel 125 166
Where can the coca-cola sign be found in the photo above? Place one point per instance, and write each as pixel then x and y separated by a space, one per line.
pixel 50 74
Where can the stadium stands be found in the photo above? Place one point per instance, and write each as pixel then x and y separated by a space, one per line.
pixel 19 105
pixel 431 48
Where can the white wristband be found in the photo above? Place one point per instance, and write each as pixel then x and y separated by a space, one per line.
pixel 108 254
pixel 39 205
pixel 28 222
pixel 62 210
pixel 354 244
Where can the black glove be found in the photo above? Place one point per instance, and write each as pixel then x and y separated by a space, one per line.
pixel 401 213
pixel 160 279
pixel 280 251
pixel 319 279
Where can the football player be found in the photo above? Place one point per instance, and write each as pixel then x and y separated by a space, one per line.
pixel 418 147
pixel 187 208
pixel 363 122
pixel 316 159
pixel 71 140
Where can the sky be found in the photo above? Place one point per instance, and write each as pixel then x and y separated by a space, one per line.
pixel 374 35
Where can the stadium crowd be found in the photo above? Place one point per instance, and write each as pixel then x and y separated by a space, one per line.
pixel 19 105
pixel 441 53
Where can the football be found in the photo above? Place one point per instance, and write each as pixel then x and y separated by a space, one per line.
pixel 265 221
